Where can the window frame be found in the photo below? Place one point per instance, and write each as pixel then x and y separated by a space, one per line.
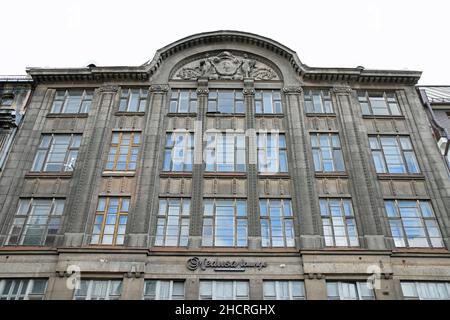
pixel 187 147
pixel 213 147
pixel 238 98
pixel 398 221
pixel 27 294
pixel 46 151
pixel 55 212
pixel 324 99
pixel 87 96
pixel 266 222
pixel 90 286
pixel 263 152
pixel 142 99
pixel 182 240
pixel 214 283
pixel 159 282
pixel 240 222
pixel 379 150
pixel 277 288
pixel 326 213
pixel 357 286
pixel 275 99
pixel 132 146
pixel 419 293
pixel 335 152
pixel 364 98
pixel 117 224
pixel 175 100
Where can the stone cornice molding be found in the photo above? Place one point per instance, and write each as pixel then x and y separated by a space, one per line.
pixel 293 90
pixel 342 89
pixel 159 88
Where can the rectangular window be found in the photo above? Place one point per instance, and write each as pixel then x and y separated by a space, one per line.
pixel 164 290
pixel 133 100
pixel 99 290
pixel 224 290
pixel 37 222
pixel 349 291
pixel 277 223
pixel 179 151
pixel 378 103
pixel 224 223
pixel 72 101
pixel 268 102
pixel 272 153
pixel 123 151
pixel 110 221
pixel 318 101
pixel 225 152
pixel 393 154
pixel 339 226
pixel 284 290
pixel 183 101
pixel 22 289
pixel 327 152
pixel 173 222
pixel 413 224
pixel 420 290
pixel 226 101
pixel 57 153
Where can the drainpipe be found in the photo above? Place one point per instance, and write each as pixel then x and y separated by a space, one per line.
pixel 443 133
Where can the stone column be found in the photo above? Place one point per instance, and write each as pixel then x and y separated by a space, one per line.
pixel 254 225
pixel 315 287
pixel 305 202
pixel 363 180
pixel 256 289
pixel 132 288
pixel 191 288
pixel 143 216
pixel 195 231
pixel 57 288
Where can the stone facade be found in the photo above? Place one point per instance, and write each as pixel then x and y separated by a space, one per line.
pixel 245 63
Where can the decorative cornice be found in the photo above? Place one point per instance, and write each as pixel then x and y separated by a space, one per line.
pixel 159 88
pixel 108 89
pixel 293 90
pixel 248 91
pixel 317 276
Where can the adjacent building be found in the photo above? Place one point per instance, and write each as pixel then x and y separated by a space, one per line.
pixel 224 168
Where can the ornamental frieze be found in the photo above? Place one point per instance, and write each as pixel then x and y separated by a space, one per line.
pixel 227 66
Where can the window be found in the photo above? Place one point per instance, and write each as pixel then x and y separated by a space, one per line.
pixel 413 224
pixel 277 224
pixel 173 222
pixel 327 152
pixel 164 290
pixel 349 291
pixel 99 290
pixel 179 151
pixel 37 222
pixel 123 151
pixel 425 290
pixel 225 152
pixel 224 223
pixel 22 289
pixel 339 226
pixel 378 103
pixel 224 290
pixel 226 101
pixel 72 101
pixel 110 221
pixel 133 100
pixel 183 101
pixel 7 100
pixel 57 152
pixel 268 102
pixel 393 154
pixel 318 101
pixel 272 153
pixel 284 290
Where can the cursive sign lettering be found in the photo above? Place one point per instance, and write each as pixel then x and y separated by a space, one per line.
pixel 225 265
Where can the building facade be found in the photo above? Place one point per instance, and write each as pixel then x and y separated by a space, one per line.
pixel 224 168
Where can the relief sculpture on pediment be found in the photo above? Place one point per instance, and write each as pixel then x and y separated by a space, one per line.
pixel 225 65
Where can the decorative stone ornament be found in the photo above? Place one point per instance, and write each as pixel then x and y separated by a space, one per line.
pixel 225 65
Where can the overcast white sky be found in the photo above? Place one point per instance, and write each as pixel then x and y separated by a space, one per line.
pixel 384 34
